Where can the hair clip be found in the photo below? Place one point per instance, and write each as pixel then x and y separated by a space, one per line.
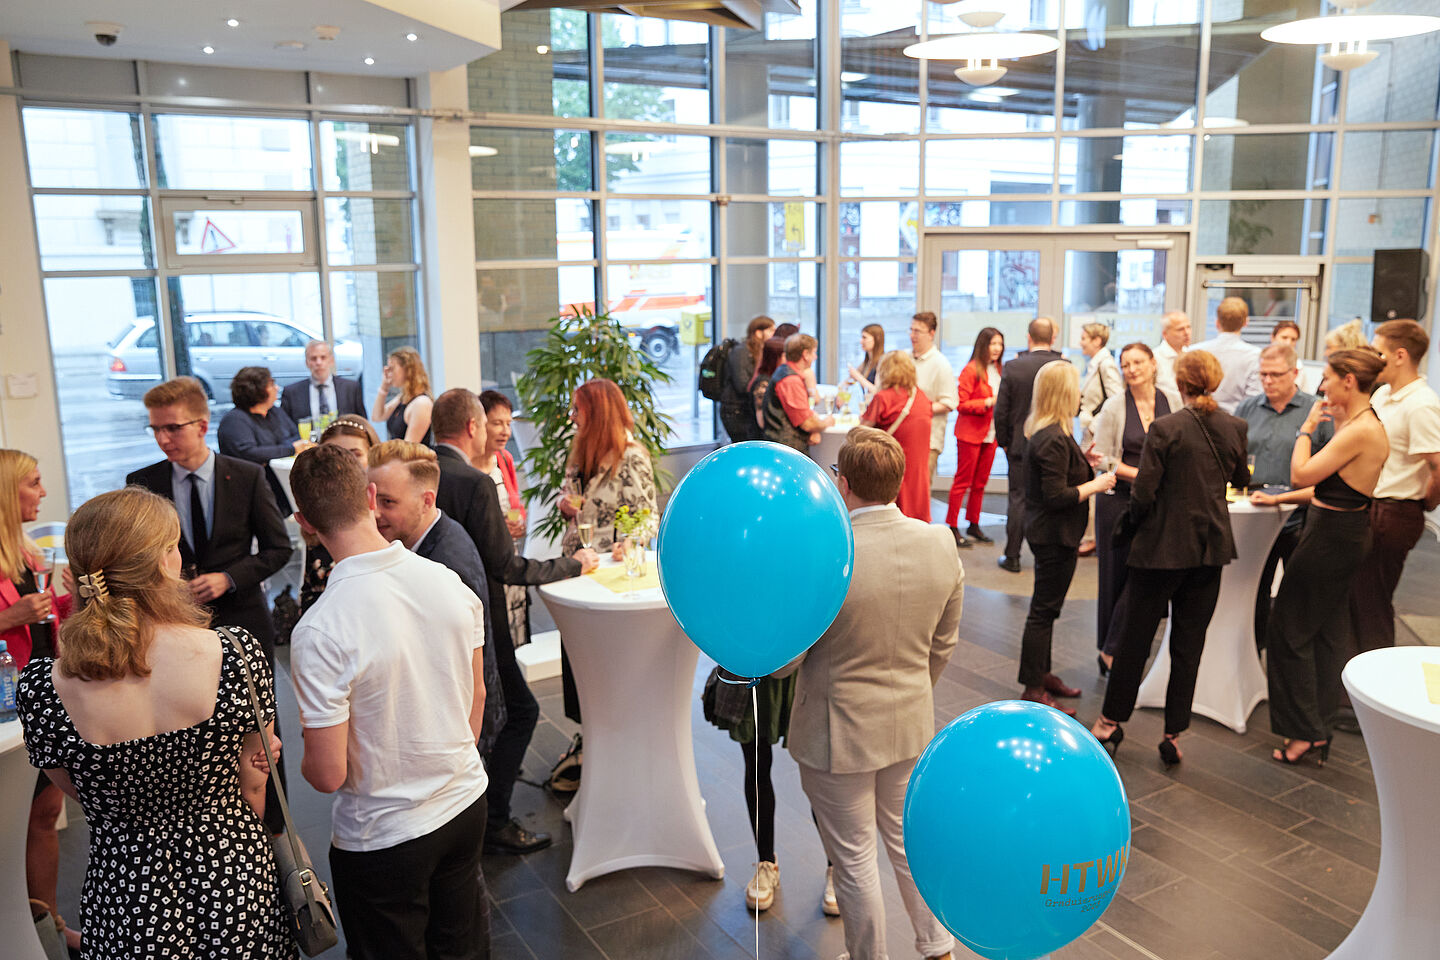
pixel 92 585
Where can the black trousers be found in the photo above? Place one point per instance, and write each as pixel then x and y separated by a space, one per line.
pixel 1309 632
pixel 423 899
pixel 758 756
pixel 1015 508
pixel 1054 569
pixel 1112 569
pixel 507 756
pixel 1190 595
pixel 1284 546
pixel 1395 528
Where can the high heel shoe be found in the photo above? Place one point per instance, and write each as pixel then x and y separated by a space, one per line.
pixel 1104 667
pixel 1169 753
pixel 1283 754
pixel 1113 741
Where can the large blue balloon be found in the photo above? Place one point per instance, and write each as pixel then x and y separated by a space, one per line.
pixel 755 553
pixel 1017 829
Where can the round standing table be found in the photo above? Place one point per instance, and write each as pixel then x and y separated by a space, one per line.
pixel 17 785
pixel 639 800
pixel 1231 681
pixel 827 451
pixel 1402 736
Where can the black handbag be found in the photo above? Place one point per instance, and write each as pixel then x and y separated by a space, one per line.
pixel 307 898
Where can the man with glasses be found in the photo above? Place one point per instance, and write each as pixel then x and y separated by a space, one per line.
pixel 1275 416
pixel 322 392
pixel 225 506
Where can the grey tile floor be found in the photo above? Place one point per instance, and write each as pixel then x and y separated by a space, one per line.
pixel 1234 857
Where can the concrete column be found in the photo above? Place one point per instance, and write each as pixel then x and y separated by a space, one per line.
pixel 29 423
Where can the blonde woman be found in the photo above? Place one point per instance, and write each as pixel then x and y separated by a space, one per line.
pixel 145 719
pixel 407 413
pixel 1348 336
pixel 1058 482
pixel 28 634
pixel 902 409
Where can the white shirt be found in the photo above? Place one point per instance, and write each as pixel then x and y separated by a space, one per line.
pixel 389 648
pixel 934 375
pixel 329 385
pixel 1411 416
pixel 1165 357
pixel 993 376
pixel 1240 362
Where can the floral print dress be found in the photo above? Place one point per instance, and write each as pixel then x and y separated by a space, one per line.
pixel 632 485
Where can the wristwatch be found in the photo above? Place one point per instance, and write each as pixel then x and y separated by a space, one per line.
pixel 1302 432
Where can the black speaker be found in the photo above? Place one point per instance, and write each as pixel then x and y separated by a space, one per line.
pixel 1397 290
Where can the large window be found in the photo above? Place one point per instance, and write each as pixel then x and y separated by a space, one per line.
pixel 152 278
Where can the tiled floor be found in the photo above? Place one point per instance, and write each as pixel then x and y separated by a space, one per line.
pixel 1233 856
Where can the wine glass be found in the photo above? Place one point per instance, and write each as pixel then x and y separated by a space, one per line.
pixel 585 525
pixel 43 567
pixel 1107 465
pixel 1250 460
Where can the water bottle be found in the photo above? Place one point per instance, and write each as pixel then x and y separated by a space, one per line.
pixel 9 676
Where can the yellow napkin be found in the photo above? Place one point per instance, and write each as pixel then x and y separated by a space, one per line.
pixel 1432 681
pixel 613 578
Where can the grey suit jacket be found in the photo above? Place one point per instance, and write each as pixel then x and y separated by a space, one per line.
pixel 865 696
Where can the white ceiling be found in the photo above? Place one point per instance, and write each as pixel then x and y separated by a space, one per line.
pixel 451 32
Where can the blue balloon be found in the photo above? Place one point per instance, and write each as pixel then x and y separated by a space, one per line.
pixel 755 552
pixel 1017 829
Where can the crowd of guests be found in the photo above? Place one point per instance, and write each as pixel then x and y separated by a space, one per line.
pixel 132 697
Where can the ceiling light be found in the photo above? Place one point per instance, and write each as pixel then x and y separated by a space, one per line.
pixel 849 76
pixel 371 141
pixel 542 49
pixel 478 151
pixel 1348 55
pixel 207 49
pixel 369 61
pixel 412 37
pixel 290 46
pixel 232 22
pixel 984 46
pixel 978 73
pixel 1351 28
pixel 980 14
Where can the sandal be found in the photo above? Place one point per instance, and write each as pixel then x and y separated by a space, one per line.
pixel 1283 755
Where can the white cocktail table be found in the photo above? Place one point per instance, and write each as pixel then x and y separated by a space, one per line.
pixel 639 802
pixel 1402 736
pixel 17 786
pixel 1231 681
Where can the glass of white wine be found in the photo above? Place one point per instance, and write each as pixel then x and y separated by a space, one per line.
pixel 43 567
pixel 585 525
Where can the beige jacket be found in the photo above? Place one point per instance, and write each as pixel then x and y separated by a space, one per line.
pixel 865 699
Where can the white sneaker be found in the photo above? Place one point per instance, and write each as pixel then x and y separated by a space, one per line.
pixel 828 906
pixel 760 891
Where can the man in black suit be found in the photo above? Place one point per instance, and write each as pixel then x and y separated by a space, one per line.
pixel 472 500
pixel 406 478
pixel 322 392
pixel 1012 406
pixel 224 505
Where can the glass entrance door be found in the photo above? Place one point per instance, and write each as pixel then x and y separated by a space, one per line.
pixel 1125 281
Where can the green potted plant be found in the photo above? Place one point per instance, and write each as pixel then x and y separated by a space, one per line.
pixel 581 346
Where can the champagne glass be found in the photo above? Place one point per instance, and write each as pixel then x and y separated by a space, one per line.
pixel 1107 465
pixel 585 524
pixel 43 567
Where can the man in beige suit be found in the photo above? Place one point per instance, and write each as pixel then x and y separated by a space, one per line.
pixel 864 705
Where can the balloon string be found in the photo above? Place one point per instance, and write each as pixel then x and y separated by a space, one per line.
pixel 755 704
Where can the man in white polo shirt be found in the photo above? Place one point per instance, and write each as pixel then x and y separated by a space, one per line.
pixel 1408 484
pixel 933 375
pixel 389 676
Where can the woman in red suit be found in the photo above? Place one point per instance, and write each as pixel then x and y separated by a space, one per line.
pixel 28 634
pixel 975 434
pixel 901 409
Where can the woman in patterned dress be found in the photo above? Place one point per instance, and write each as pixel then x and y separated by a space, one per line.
pixel 144 718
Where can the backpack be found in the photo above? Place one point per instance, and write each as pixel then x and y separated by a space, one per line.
pixel 712 369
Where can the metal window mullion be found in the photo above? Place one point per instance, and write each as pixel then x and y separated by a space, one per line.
pixel 159 230
pixel 1059 116
pixel 322 242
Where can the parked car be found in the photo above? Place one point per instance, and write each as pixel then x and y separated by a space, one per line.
pixel 218 345
pixel 659 341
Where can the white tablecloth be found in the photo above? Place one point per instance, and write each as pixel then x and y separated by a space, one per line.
pixel 17 786
pixel 281 466
pixel 639 801
pixel 1231 681
pixel 1402 737
pixel 827 451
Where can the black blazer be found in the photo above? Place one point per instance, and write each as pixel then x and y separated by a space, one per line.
pixel 295 399
pixel 470 497
pixel 244 510
pixel 1012 403
pixel 1177 503
pixel 1054 469
pixel 245 436
pixel 448 545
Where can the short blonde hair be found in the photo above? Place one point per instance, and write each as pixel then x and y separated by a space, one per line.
pixel 185 392
pixel 423 466
pixel 1097 331
pixel 1055 398
pixel 897 370
pixel 1348 336
pixel 1231 314
pixel 873 463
